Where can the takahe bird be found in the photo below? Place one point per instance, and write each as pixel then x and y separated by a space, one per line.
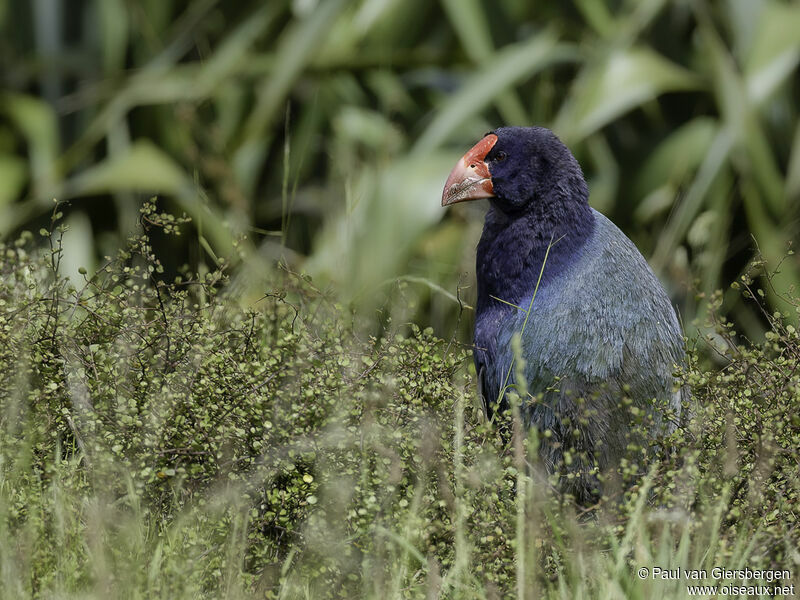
pixel 602 340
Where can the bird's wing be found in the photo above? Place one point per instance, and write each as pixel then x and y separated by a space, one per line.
pixel 606 320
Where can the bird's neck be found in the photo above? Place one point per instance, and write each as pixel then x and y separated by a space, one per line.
pixel 512 250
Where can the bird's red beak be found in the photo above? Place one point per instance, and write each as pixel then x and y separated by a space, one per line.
pixel 470 178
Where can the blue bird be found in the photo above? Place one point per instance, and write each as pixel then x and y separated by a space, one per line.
pixel 600 339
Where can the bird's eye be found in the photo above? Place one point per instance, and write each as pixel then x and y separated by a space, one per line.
pixel 501 156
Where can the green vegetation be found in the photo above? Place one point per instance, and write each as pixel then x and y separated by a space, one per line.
pixel 293 414
pixel 157 440
pixel 323 130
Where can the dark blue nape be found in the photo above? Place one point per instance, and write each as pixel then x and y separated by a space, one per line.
pixel 601 327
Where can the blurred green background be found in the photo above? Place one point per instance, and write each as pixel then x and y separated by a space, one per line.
pixel 318 134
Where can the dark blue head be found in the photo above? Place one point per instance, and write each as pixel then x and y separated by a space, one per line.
pixel 521 169
pixel 538 196
pixel 531 170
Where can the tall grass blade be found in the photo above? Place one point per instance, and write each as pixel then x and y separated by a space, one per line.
pixel 508 66
pixel 609 87
pixel 293 52
pixel 471 25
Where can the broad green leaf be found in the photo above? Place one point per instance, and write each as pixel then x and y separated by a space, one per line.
pixel 793 170
pixel 388 209
pixel 162 83
pixel 772 240
pixel 604 183
pixel 677 156
pixel 471 25
pixel 36 120
pixel 741 18
pixel 369 128
pixel 743 122
pixel 712 256
pixel 230 106
pixel 159 81
pixel 691 204
pixel 656 202
pixel 623 80
pixel 596 15
pixel 228 58
pixel 294 50
pixel 371 13
pixel 469 22
pixel 13 174
pixel 508 66
pixel 144 168
pixel 640 14
pixel 775 51
pixel 391 92
pixel 160 13
pixel 625 26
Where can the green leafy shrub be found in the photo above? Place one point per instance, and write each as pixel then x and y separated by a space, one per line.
pixel 161 440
